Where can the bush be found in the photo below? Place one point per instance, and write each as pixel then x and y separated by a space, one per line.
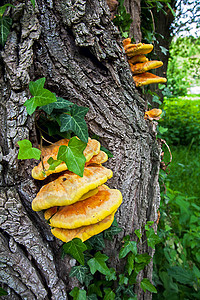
pixel 177 257
pixel 182 118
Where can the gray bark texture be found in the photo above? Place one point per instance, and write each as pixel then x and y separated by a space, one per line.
pixel 75 45
pixel 133 7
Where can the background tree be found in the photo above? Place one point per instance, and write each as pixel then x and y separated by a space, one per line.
pixel 78 49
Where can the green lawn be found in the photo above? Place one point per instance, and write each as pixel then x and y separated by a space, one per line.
pixel 184 170
pixel 182 119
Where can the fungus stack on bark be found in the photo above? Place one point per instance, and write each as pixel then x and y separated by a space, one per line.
pixel 140 65
pixel 77 207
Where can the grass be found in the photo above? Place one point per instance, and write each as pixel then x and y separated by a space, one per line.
pixel 184 170
pixel 183 137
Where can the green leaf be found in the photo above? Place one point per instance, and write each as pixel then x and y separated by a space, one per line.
pixel 152 238
pixel 88 278
pixel 3 8
pixel 33 3
pixel 60 104
pixel 75 122
pixel 36 86
pixel 96 242
pixel 98 264
pixel 92 297
pixel 111 275
pixel 79 272
pixel 138 233
pixel 109 294
pixel 75 248
pixel 41 96
pixel 78 294
pixel 110 155
pixel 130 263
pixel 147 285
pixel 129 246
pixel 5 24
pixel 94 288
pixel 130 291
pixel 123 279
pixel 184 276
pixel 172 11
pixel 53 163
pixel 111 231
pixel 143 258
pixel 163 50
pixel 26 151
pixel 73 155
pixel 3 292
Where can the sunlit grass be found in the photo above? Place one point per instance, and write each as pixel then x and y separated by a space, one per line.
pixel 184 170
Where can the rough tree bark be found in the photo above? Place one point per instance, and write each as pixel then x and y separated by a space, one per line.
pixel 133 7
pixel 75 45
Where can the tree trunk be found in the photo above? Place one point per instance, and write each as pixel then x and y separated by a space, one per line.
pixel 78 49
pixel 133 7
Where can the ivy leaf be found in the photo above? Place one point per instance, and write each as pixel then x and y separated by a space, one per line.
pixel 163 50
pixel 3 8
pixel 33 3
pixel 143 258
pixel 130 263
pixel 75 122
pixel 59 104
pixel 109 294
pixel 41 96
pixel 147 285
pixel 73 155
pixel 96 242
pixel 88 278
pixel 138 233
pixel 98 263
pixel 111 275
pixel 75 248
pixel 92 297
pixel 79 272
pixel 53 163
pixel 3 292
pixel 111 231
pixel 110 155
pixel 78 294
pixel 5 24
pixel 123 279
pixel 130 291
pixel 152 238
pixel 26 151
pixel 94 288
pixel 129 246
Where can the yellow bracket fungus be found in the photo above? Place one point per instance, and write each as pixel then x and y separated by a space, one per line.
pixel 136 49
pixel 89 211
pixel 147 78
pixel 146 66
pixel 92 148
pixel 138 59
pixel 84 232
pixel 69 187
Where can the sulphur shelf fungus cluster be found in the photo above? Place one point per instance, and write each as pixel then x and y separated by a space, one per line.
pixel 140 65
pixel 77 207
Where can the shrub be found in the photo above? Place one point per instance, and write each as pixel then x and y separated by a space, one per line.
pixel 182 118
pixel 177 257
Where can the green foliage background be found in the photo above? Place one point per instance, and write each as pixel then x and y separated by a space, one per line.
pixel 177 257
pixel 183 66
